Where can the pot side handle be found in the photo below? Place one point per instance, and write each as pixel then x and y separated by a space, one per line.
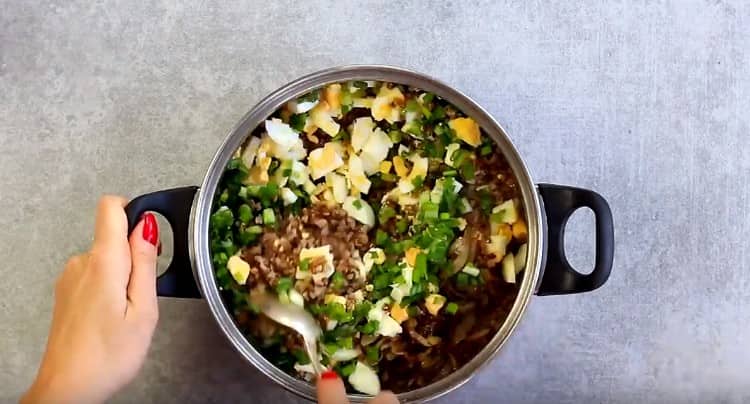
pixel 175 205
pixel 559 276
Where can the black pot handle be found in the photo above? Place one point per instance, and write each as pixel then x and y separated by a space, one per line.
pixel 559 276
pixel 175 205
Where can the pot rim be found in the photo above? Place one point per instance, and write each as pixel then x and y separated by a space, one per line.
pixel 199 246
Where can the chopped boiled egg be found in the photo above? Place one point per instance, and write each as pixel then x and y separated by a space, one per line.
pixel 332 95
pixel 288 196
pixel 418 170
pixel 387 105
pixel 496 246
pixel 356 175
pixel 388 327
pixel 324 160
pixel 359 210
pixel 408 273
pixel 251 150
pixel 364 379
pixel 509 269
pixel 385 167
pixel 322 117
pixel 399 291
pixel 323 251
pixel 399 313
pixel 337 183
pixel 299 174
pixel 331 298
pixel 357 296
pixel 519 259
pixel 373 256
pixel 295 152
pixel 362 102
pixel 281 133
pixel 471 270
pixel 400 166
pixel 375 151
pixel 467 130
pixel 258 174
pixel 434 303
pixel 520 231
pixel 507 212
pixel 309 127
pixel 345 354
pixel 362 129
pixel 239 269
pixel 411 255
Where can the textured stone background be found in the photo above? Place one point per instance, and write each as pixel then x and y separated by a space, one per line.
pixel 645 101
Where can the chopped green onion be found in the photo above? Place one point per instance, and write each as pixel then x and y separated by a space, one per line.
pixel 361 310
pixel 412 106
pixel 222 218
pixel 395 136
pixel 245 213
pixel 430 211
pixel 304 265
pixel 348 369
pixel 370 327
pixel 417 181
pixel 357 204
pixel 301 356
pixel 312 96
pixel 450 173
pixel 467 170
pixel 372 353
pixel 297 121
pixel 402 225
pixel 242 193
pixel 381 237
pixel 284 284
pixel 386 213
pixel 496 217
pixel 338 280
pixel 269 217
pixel 486 150
pixel 451 308
pixel 462 279
pixel 388 177
pixel 420 267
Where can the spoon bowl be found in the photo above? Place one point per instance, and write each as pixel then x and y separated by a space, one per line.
pixel 296 318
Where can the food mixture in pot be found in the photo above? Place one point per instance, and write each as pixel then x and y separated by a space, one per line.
pixel 386 213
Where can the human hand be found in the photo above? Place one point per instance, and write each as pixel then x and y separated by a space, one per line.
pixel 331 390
pixel 105 312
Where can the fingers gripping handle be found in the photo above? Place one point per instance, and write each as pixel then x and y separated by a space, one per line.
pixel 175 205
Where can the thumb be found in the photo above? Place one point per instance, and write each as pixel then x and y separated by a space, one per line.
pixel 142 284
pixel 331 389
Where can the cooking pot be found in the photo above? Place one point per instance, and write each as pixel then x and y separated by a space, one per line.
pixel 547 208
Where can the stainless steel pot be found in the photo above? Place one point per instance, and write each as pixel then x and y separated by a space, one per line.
pixel 547 209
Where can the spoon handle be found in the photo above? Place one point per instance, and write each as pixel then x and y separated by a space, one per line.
pixel 311 345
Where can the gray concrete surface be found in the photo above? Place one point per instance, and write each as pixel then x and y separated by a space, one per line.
pixel 647 103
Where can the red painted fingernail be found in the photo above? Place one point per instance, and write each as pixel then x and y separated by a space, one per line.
pixel 329 375
pixel 150 229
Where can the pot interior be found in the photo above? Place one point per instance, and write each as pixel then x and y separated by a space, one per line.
pixel 297 88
